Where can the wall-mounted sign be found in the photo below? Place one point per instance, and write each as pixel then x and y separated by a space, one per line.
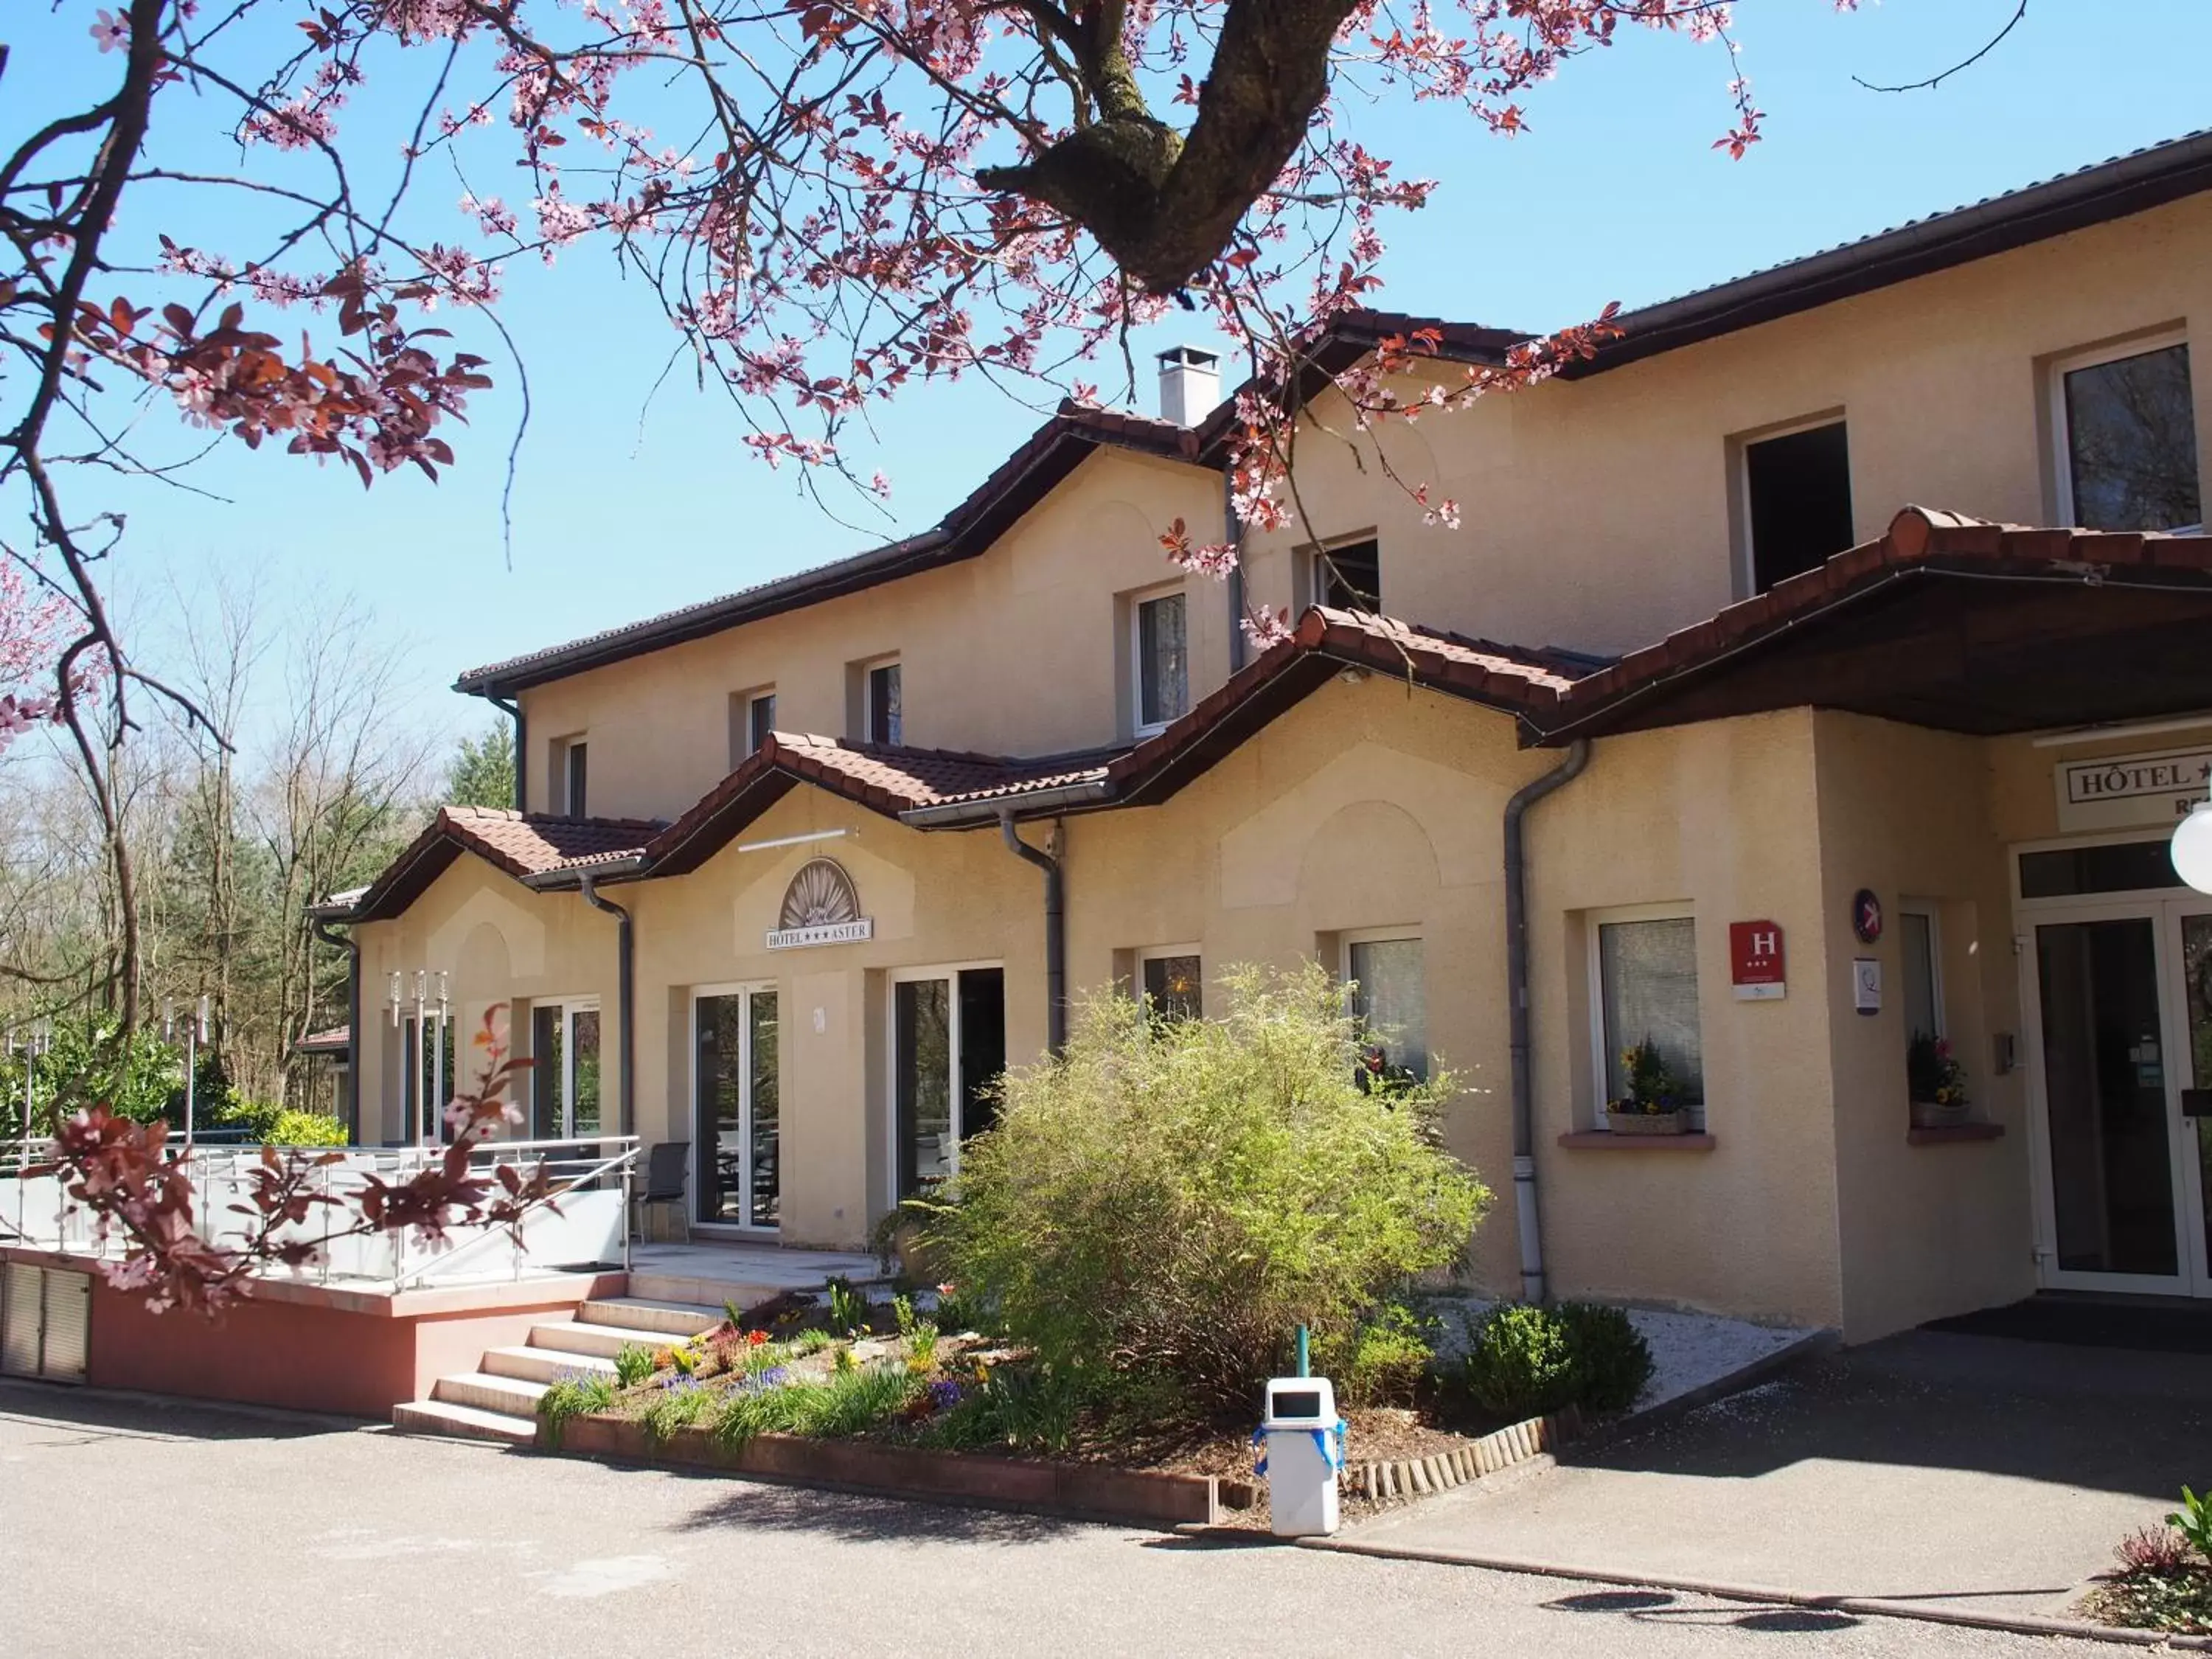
pixel 2125 790
pixel 1866 985
pixel 1755 962
pixel 820 907
pixel 1865 915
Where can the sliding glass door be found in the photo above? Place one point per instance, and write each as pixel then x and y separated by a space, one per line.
pixel 736 1140
pixel 948 1049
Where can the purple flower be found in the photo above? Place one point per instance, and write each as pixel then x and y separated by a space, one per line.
pixel 945 1393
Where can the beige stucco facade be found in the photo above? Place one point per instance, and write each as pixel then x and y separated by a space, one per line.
pixel 1600 514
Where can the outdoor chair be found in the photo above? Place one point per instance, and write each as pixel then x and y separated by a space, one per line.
pixel 667 1167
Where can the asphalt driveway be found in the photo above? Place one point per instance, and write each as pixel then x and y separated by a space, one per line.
pixel 1967 1472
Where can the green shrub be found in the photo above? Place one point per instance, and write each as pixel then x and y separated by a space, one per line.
pixel 1387 1360
pixel 849 1308
pixel 295 1128
pixel 574 1395
pixel 633 1363
pixel 2193 1521
pixel 1612 1360
pixel 1518 1364
pixel 848 1403
pixel 1525 1361
pixel 1178 1197
pixel 258 1118
pixel 678 1405
pixel 1013 1408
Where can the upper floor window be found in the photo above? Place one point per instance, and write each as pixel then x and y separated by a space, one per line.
pixel 752 717
pixel 884 722
pixel 2126 430
pixel 571 772
pixel 1160 665
pixel 1797 501
pixel 1349 578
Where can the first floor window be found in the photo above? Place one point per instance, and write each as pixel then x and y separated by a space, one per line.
pixel 1390 998
pixel 564 1076
pixel 1174 987
pixel 885 718
pixel 737 1138
pixel 948 1052
pixel 1797 488
pixel 1162 662
pixel 1648 1002
pixel 1349 578
pixel 427 1082
pixel 2128 440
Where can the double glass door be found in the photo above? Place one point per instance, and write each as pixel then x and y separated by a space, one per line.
pixel 2122 1064
pixel 737 1140
pixel 948 1049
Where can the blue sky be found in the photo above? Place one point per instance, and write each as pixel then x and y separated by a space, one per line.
pixel 629 502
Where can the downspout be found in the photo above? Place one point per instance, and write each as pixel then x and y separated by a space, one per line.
pixel 625 1004
pixel 1516 995
pixel 351 943
pixel 1055 933
pixel 513 710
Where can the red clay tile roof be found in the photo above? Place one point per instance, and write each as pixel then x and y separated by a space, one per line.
pixel 1920 542
pixel 1015 485
pixel 337 1039
pixel 522 845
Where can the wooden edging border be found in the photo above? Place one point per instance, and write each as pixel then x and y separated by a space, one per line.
pixel 1083 1492
pixel 1419 1477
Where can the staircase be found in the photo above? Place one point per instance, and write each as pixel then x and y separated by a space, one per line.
pixel 498 1401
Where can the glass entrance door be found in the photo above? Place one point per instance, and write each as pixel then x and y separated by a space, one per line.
pixel 948 1049
pixel 2124 1010
pixel 737 1142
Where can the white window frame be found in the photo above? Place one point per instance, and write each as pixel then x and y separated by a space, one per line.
pixel 753 732
pixel 2054 391
pixel 2142 832
pixel 1405 933
pixel 1317 575
pixel 1739 445
pixel 557 799
pixel 700 1152
pixel 1162 953
pixel 1932 913
pixel 1600 1039
pixel 570 1006
pixel 1137 603
pixel 951 972
pixel 868 698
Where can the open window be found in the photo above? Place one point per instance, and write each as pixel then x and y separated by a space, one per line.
pixel 752 717
pixel 2125 422
pixel 1797 501
pixel 571 775
pixel 1159 658
pixel 882 711
pixel 1643 988
pixel 1349 577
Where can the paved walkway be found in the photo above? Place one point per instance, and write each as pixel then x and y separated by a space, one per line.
pixel 1956 1471
pixel 186 1530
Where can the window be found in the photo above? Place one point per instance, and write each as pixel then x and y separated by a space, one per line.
pixel 882 716
pixel 570 772
pixel 948 1051
pixel 564 1073
pixel 1173 984
pixel 1647 988
pixel 2126 866
pixel 1919 944
pixel 1797 500
pixel 1389 996
pixel 752 717
pixel 428 1083
pixel 2126 430
pixel 1349 578
pixel 1161 668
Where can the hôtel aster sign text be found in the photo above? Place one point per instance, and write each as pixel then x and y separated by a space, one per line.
pixel 820 907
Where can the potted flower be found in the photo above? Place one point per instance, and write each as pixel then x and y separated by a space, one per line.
pixel 1653 1104
pixel 1937 1082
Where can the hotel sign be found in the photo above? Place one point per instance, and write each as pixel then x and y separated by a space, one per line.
pixel 820 907
pixel 2123 791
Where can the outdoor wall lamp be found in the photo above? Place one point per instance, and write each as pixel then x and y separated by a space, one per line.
pixel 2192 848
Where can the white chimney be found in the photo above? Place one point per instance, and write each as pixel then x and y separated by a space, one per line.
pixel 1190 384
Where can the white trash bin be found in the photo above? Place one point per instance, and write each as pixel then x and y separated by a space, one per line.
pixel 1302 1439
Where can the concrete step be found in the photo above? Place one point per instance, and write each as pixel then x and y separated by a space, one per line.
pixel 459 1422
pixel 577 1336
pixel 515 1396
pixel 686 1290
pixel 544 1364
pixel 659 1319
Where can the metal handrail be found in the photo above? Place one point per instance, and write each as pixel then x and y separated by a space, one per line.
pixel 625 1160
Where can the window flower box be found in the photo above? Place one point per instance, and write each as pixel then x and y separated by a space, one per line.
pixel 1634 1121
pixel 1653 1104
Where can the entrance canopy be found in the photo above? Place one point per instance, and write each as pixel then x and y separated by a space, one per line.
pixel 1947 622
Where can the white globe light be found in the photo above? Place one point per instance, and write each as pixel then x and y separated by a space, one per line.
pixel 2192 848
